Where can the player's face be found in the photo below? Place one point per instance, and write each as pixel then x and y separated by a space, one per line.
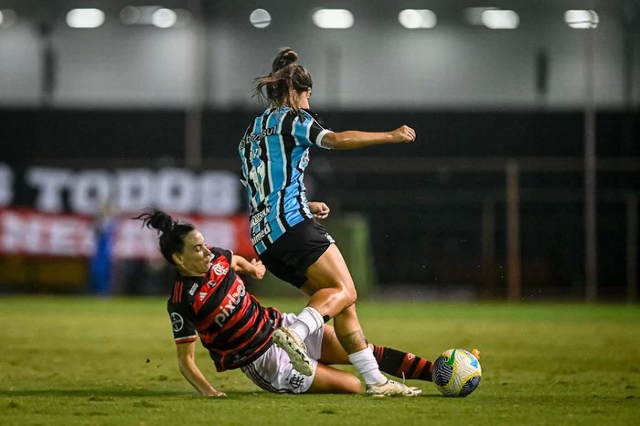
pixel 303 99
pixel 195 258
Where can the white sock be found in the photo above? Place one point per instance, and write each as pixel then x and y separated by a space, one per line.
pixel 308 322
pixel 366 364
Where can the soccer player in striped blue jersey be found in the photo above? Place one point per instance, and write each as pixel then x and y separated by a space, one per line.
pixel 274 153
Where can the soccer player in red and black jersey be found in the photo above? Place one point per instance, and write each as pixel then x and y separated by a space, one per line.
pixel 209 301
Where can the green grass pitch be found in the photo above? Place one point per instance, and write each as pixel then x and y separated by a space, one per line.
pixel 83 361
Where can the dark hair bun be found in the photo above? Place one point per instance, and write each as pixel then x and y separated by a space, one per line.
pixel 161 221
pixel 285 57
pixel 157 220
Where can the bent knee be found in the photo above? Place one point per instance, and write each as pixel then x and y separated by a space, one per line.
pixel 344 290
pixel 353 385
pixel 349 296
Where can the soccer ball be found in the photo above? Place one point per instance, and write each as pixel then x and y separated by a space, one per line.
pixel 456 372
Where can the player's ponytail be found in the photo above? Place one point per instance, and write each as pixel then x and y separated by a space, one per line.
pixel 157 220
pixel 285 57
pixel 286 78
pixel 172 233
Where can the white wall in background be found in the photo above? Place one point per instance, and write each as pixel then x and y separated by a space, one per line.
pixel 375 64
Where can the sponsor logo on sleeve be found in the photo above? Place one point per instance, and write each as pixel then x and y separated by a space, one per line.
pixel 194 288
pixel 176 321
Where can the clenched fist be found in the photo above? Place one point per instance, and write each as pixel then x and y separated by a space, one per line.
pixel 319 209
pixel 403 134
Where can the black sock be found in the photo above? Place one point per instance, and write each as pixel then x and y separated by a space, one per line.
pixel 395 363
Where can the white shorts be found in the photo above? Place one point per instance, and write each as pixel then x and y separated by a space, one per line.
pixel 273 371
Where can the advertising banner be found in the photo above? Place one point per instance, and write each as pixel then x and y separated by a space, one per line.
pixel 57 212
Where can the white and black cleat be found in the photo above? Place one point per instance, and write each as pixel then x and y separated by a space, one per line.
pixel 293 345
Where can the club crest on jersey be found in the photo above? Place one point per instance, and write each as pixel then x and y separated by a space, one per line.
pixel 229 304
pixel 304 161
pixel 220 269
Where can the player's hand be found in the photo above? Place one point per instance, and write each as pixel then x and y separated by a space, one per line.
pixel 258 269
pixel 216 394
pixel 403 134
pixel 319 209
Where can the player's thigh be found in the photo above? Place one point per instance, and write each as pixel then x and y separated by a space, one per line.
pixel 273 372
pixel 331 380
pixel 330 270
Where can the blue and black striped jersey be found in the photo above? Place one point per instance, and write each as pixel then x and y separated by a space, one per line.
pixel 274 153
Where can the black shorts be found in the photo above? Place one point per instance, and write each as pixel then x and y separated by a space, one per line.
pixel 300 247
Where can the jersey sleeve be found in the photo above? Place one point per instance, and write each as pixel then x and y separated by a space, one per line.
pixel 309 132
pixel 182 322
pixel 228 254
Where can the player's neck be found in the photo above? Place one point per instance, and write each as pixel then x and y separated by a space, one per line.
pixel 187 273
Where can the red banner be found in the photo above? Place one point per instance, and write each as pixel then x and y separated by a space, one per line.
pixel 32 233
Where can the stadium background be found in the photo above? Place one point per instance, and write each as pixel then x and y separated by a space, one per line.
pixel 493 201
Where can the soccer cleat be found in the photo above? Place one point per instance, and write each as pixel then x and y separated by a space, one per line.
pixel 476 353
pixel 293 345
pixel 392 388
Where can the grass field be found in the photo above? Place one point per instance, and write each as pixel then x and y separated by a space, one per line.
pixel 77 361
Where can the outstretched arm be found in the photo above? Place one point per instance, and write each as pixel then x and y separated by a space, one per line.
pixel 353 139
pixel 255 268
pixel 191 372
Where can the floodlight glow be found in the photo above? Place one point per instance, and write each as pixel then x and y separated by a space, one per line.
pixel 85 18
pixel 260 18
pixel 581 19
pixel 500 19
pixel 8 17
pixel 164 18
pixel 130 15
pixel 417 18
pixel 333 18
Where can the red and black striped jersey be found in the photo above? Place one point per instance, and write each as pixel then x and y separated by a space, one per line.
pixel 231 323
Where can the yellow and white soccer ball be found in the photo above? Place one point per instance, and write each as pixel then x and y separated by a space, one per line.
pixel 457 372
